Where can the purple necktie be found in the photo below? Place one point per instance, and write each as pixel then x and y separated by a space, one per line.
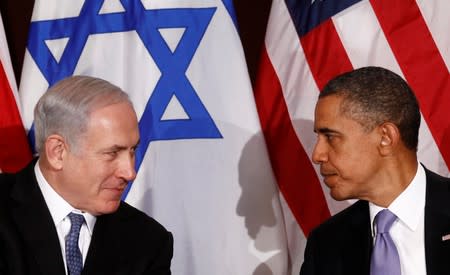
pixel 385 259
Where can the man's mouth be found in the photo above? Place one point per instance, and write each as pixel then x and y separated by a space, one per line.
pixel 325 173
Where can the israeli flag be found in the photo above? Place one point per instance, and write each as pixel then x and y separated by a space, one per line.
pixel 203 170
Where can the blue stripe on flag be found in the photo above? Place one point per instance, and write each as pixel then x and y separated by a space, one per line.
pixel 173 81
pixel 308 14
pixel 231 11
pixel 172 64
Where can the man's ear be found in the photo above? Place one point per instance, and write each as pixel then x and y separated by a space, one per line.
pixel 55 150
pixel 389 138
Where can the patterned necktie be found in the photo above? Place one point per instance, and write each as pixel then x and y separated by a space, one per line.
pixel 73 254
pixel 385 259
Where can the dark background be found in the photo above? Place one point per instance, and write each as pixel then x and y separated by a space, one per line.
pixel 251 15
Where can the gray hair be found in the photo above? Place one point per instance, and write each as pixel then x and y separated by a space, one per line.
pixel 65 108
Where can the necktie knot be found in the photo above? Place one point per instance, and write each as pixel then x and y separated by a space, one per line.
pixel 384 220
pixel 76 221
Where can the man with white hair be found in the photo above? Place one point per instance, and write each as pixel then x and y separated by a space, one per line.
pixel 63 213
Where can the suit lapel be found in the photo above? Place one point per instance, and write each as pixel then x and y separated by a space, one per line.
pixel 359 241
pixel 105 249
pixel 33 220
pixel 437 224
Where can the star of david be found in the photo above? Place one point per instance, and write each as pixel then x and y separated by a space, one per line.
pixel 172 64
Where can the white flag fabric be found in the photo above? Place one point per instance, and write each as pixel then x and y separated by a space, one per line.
pixel 309 42
pixel 203 170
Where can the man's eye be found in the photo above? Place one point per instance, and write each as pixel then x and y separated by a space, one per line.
pixel 112 153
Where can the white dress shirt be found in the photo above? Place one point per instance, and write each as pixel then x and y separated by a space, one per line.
pixel 59 209
pixel 408 231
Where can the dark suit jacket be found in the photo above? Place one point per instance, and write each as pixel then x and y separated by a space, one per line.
pixel 125 242
pixel 343 244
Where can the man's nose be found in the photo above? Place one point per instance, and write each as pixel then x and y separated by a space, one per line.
pixel 126 169
pixel 320 152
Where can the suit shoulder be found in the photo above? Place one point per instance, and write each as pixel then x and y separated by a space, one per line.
pixel 354 215
pixel 141 231
pixel 340 245
pixel 145 246
pixel 436 178
pixel 6 180
pixel 6 183
pixel 138 218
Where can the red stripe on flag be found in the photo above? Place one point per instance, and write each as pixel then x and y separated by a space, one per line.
pixel 421 63
pixel 15 152
pixel 295 175
pixel 325 53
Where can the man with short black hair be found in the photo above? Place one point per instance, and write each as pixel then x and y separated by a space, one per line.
pixel 367 123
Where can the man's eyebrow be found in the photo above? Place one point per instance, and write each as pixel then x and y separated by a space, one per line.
pixel 324 130
pixel 116 148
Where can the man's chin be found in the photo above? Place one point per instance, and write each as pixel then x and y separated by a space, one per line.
pixel 330 180
pixel 338 195
pixel 108 207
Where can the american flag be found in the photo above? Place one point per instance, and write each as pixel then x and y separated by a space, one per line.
pixel 309 42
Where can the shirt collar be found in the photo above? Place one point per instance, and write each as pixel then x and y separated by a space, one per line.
pixel 409 205
pixel 58 207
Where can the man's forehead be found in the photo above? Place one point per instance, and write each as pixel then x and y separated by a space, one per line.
pixel 328 106
pixel 330 117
